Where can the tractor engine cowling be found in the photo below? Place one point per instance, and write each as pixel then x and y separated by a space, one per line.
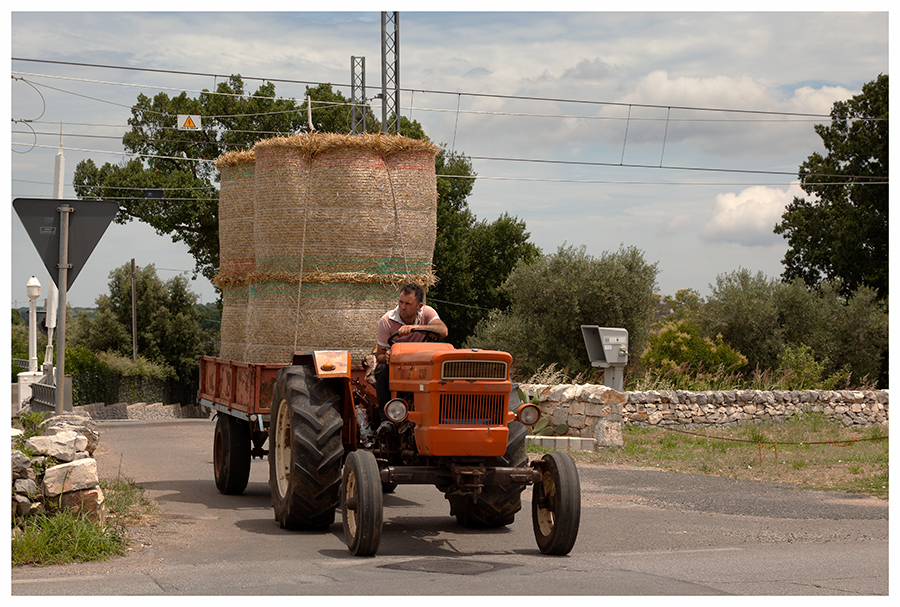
pixel 460 397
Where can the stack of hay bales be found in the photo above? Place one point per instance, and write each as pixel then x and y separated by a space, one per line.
pixel 339 223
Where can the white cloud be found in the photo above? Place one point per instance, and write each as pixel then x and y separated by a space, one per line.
pixel 748 217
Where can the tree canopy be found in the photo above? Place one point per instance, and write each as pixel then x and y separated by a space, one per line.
pixel 841 231
pixel 762 317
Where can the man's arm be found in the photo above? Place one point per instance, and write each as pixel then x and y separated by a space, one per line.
pixel 436 325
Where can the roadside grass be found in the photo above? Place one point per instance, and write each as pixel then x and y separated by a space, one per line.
pixel 65 537
pixel 809 451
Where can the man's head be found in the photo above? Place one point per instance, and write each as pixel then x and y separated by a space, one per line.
pixel 411 301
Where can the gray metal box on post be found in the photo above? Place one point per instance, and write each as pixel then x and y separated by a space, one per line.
pixel 608 349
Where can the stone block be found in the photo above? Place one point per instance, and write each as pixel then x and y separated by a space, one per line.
pixel 60 446
pixel 89 501
pixel 608 434
pixel 72 476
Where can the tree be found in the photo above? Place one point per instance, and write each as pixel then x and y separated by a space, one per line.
pixel 742 309
pixel 841 232
pixel 764 318
pixel 168 325
pixel 554 295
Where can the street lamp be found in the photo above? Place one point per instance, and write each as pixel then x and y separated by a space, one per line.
pixel 33 287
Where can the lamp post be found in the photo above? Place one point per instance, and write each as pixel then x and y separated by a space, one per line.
pixel 26 378
pixel 33 287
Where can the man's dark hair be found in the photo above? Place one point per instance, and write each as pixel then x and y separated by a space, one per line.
pixel 414 289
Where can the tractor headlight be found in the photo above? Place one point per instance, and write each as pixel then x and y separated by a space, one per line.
pixel 528 414
pixel 396 410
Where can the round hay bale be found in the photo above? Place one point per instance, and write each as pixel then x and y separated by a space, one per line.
pixel 237 254
pixel 339 224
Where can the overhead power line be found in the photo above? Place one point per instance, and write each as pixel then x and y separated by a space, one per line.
pixel 432 91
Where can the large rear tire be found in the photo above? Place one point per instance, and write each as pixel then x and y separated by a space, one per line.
pixel 231 454
pixel 496 505
pixel 556 507
pixel 362 503
pixel 305 449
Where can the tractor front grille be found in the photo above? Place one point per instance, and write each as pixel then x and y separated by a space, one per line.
pixel 472 409
pixel 473 369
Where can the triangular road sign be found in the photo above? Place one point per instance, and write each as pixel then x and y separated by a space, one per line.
pixel 87 223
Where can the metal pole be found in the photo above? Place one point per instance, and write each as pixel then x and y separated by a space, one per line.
pixel 63 285
pixel 133 313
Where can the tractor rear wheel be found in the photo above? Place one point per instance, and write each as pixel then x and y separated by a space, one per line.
pixel 231 454
pixel 496 505
pixel 556 507
pixel 305 449
pixel 362 503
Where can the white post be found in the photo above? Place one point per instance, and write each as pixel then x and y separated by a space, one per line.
pixel 33 287
pixel 52 292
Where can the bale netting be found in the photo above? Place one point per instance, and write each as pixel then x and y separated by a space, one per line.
pixel 340 224
pixel 237 254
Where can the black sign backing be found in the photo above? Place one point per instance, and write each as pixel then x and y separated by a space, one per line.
pixel 88 221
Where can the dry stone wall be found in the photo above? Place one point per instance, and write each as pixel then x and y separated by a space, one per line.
pixel 599 412
pixel 58 471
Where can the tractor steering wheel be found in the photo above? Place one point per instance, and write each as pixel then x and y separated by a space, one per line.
pixel 431 335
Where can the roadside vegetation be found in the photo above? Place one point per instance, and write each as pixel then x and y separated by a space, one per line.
pixel 65 537
pixel 808 451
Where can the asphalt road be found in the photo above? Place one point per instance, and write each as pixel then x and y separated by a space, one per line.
pixel 643 532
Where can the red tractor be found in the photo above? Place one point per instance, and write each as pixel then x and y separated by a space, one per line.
pixel 449 423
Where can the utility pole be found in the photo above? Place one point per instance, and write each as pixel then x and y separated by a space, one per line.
pixel 390 72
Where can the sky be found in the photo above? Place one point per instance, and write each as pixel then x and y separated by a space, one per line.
pixel 678 133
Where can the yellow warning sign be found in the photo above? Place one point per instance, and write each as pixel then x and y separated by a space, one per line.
pixel 189 122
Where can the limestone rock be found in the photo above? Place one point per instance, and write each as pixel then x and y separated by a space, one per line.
pixel 90 501
pixel 84 426
pixel 608 434
pixel 73 476
pixel 21 464
pixel 60 446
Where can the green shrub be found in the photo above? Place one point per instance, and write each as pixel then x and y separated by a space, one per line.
pixel 799 370
pixel 676 343
pixel 127 367
pixel 82 361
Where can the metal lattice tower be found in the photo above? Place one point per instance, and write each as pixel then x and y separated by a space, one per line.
pixel 390 72
pixel 357 95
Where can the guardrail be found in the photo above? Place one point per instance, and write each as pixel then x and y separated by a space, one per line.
pixel 43 397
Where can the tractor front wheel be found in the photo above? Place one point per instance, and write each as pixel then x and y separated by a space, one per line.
pixel 362 503
pixel 556 506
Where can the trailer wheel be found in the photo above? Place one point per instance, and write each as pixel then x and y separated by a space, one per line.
pixel 496 505
pixel 231 454
pixel 305 449
pixel 556 507
pixel 362 503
